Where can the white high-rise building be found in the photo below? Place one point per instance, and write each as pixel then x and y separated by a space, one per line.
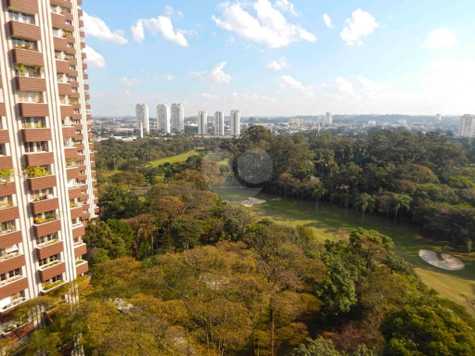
pixel 328 119
pixel 143 119
pixel 163 118
pixel 235 123
pixel 178 118
pixel 219 123
pixel 202 123
pixel 439 117
pixel 467 126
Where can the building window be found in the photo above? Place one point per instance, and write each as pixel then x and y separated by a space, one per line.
pixel 24 44
pixel 35 147
pixel 34 123
pixel 7 227
pixel 6 277
pixel 44 240
pixel 6 202
pixel 30 97
pixel 21 17
pixel 43 194
pixel 49 260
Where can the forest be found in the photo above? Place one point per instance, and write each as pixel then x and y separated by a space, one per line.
pixel 425 179
pixel 175 270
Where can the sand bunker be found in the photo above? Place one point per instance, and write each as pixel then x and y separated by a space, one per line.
pixel 250 202
pixel 442 261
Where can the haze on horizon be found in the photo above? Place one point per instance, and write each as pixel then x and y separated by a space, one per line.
pixel 282 57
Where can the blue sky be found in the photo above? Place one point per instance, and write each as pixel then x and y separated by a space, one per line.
pixel 283 57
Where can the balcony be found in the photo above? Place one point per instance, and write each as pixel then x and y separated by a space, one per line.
pixel 29 7
pixel 51 270
pixel 63 3
pixel 4 138
pixel 11 263
pixel 73 173
pixel 9 239
pixel 36 135
pixel 7 189
pixel 66 111
pixel 82 267
pixel 39 159
pixel 6 162
pixel 33 110
pixel 47 228
pixel 79 232
pixel 24 31
pixel 2 109
pixel 44 206
pixel 60 44
pixel 50 249
pixel 8 214
pixel 65 89
pixel 80 250
pixel 59 21
pixel 77 212
pixel 12 287
pixel 62 66
pixel 40 183
pixel 69 132
pixel 27 57
pixel 71 153
pixel 35 85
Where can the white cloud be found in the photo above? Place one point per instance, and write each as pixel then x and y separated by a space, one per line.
pixel 289 82
pixel 216 74
pixel 278 65
pixel 327 20
pixel 287 6
pixel 268 26
pixel 96 27
pixel 209 96
pixel 161 25
pixel 441 38
pixel 360 25
pixel 170 11
pixel 129 82
pixel 169 77
pixel 94 58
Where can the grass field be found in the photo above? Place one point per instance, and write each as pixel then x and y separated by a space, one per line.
pixel 172 159
pixel 328 222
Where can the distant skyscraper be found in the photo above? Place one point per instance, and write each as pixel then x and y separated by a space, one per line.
pixel 219 123
pixel 328 119
pixel 235 123
pixel 467 126
pixel 163 118
pixel 143 119
pixel 202 123
pixel 178 118
pixel 439 117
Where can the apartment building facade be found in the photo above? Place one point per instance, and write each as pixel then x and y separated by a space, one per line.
pixel 47 160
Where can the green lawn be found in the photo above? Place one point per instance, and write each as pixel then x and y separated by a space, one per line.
pixel 172 159
pixel 328 222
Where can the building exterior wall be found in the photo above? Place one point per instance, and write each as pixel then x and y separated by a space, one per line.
pixel 219 123
pixel 235 123
pixel 177 118
pixel 202 123
pixel 467 126
pixel 163 118
pixel 47 180
pixel 143 119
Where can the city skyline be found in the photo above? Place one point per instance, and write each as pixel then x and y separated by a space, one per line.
pixel 282 57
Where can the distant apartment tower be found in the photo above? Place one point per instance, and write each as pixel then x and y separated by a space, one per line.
pixel 328 119
pixel 219 123
pixel 178 118
pixel 296 123
pixel 47 159
pixel 438 117
pixel 143 119
pixel 235 123
pixel 202 123
pixel 163 118
pixel 467 126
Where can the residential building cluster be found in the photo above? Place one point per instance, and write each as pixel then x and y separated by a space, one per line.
pixel 47 160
